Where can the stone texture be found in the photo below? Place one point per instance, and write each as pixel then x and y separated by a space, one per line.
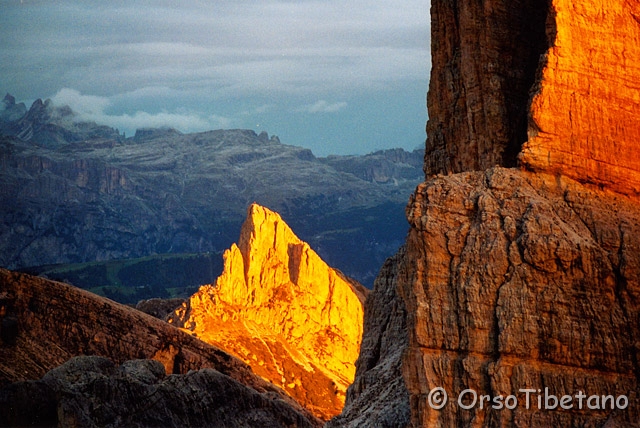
pixel 549 85
pixel 281 309
pixel 484 61
pixel 584 116
pixel 378 397
pixel 524 278
pixel 45 323
pixel 93 392
pixel 518 280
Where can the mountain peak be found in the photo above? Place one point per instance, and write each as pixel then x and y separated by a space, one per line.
pixel 278 306
pixel 9 100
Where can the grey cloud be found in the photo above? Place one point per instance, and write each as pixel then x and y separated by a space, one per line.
pixel 235 44
pixel 219 63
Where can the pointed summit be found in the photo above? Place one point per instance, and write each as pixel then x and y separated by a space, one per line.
pixel 279 307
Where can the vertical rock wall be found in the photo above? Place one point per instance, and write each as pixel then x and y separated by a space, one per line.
pixel 585 115
pixel 484 61
pixel 521 281
pixel 525 281
pixel 378 397
pixel 550 85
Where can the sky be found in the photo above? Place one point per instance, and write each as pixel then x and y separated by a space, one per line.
pixel 334 76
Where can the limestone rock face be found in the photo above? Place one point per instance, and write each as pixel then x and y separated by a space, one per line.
pixel 524 279
pixel 585 120
pixel 550 85
pixel 45 323
pixel 281 309
pixel 516 280
pixel 484 61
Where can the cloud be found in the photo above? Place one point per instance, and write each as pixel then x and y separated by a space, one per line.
pixel 200 65
pixel 93 108
pixel 323 106
pixel 238 47
pixel 83 105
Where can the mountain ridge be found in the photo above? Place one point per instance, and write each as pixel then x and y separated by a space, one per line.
pixel 162 191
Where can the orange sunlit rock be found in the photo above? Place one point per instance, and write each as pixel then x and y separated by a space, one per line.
pixel 585 118
pixel 296 321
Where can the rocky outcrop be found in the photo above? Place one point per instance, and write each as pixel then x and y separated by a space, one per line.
pixel 44 323
pixel 517 281
pixel 281 309
pixel 522 286
pixel 10 112
pixel 378 397
pixel 391 166
pixel 484 61
pixel 93 392
pixel 49 126
pixel 584 114
pixel 159 308
pixel 549 85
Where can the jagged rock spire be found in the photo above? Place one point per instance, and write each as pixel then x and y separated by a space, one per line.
pixel 278 306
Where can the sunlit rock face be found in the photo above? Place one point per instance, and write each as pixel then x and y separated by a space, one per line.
pixel 585 113
pixel 281 309
pixel 550 85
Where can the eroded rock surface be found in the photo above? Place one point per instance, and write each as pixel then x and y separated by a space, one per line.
pixel 550 85
pixel 584 116
pixel 517 280
pixel 484 61
pixel 281 309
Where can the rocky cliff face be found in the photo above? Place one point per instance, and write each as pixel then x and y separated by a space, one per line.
pixel 511 281
pixel 520 283
pixel 45 323
pixel 484 61
pixel 281 309
pixel 378 397
pixel 584 114
pixel 548 84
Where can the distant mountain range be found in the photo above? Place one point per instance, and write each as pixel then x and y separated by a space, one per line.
pixel 76 192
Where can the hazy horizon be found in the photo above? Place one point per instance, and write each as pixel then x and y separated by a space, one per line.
pixel 334 77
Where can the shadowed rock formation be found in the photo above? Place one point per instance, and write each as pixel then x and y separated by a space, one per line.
pixel 92 391
pixel 484 61
pixel 44 323
pixel 281 309
pixel 521 281
pixel 378 397
pixel 511 280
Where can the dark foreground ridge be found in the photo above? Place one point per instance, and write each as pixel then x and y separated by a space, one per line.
pixel 45 323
